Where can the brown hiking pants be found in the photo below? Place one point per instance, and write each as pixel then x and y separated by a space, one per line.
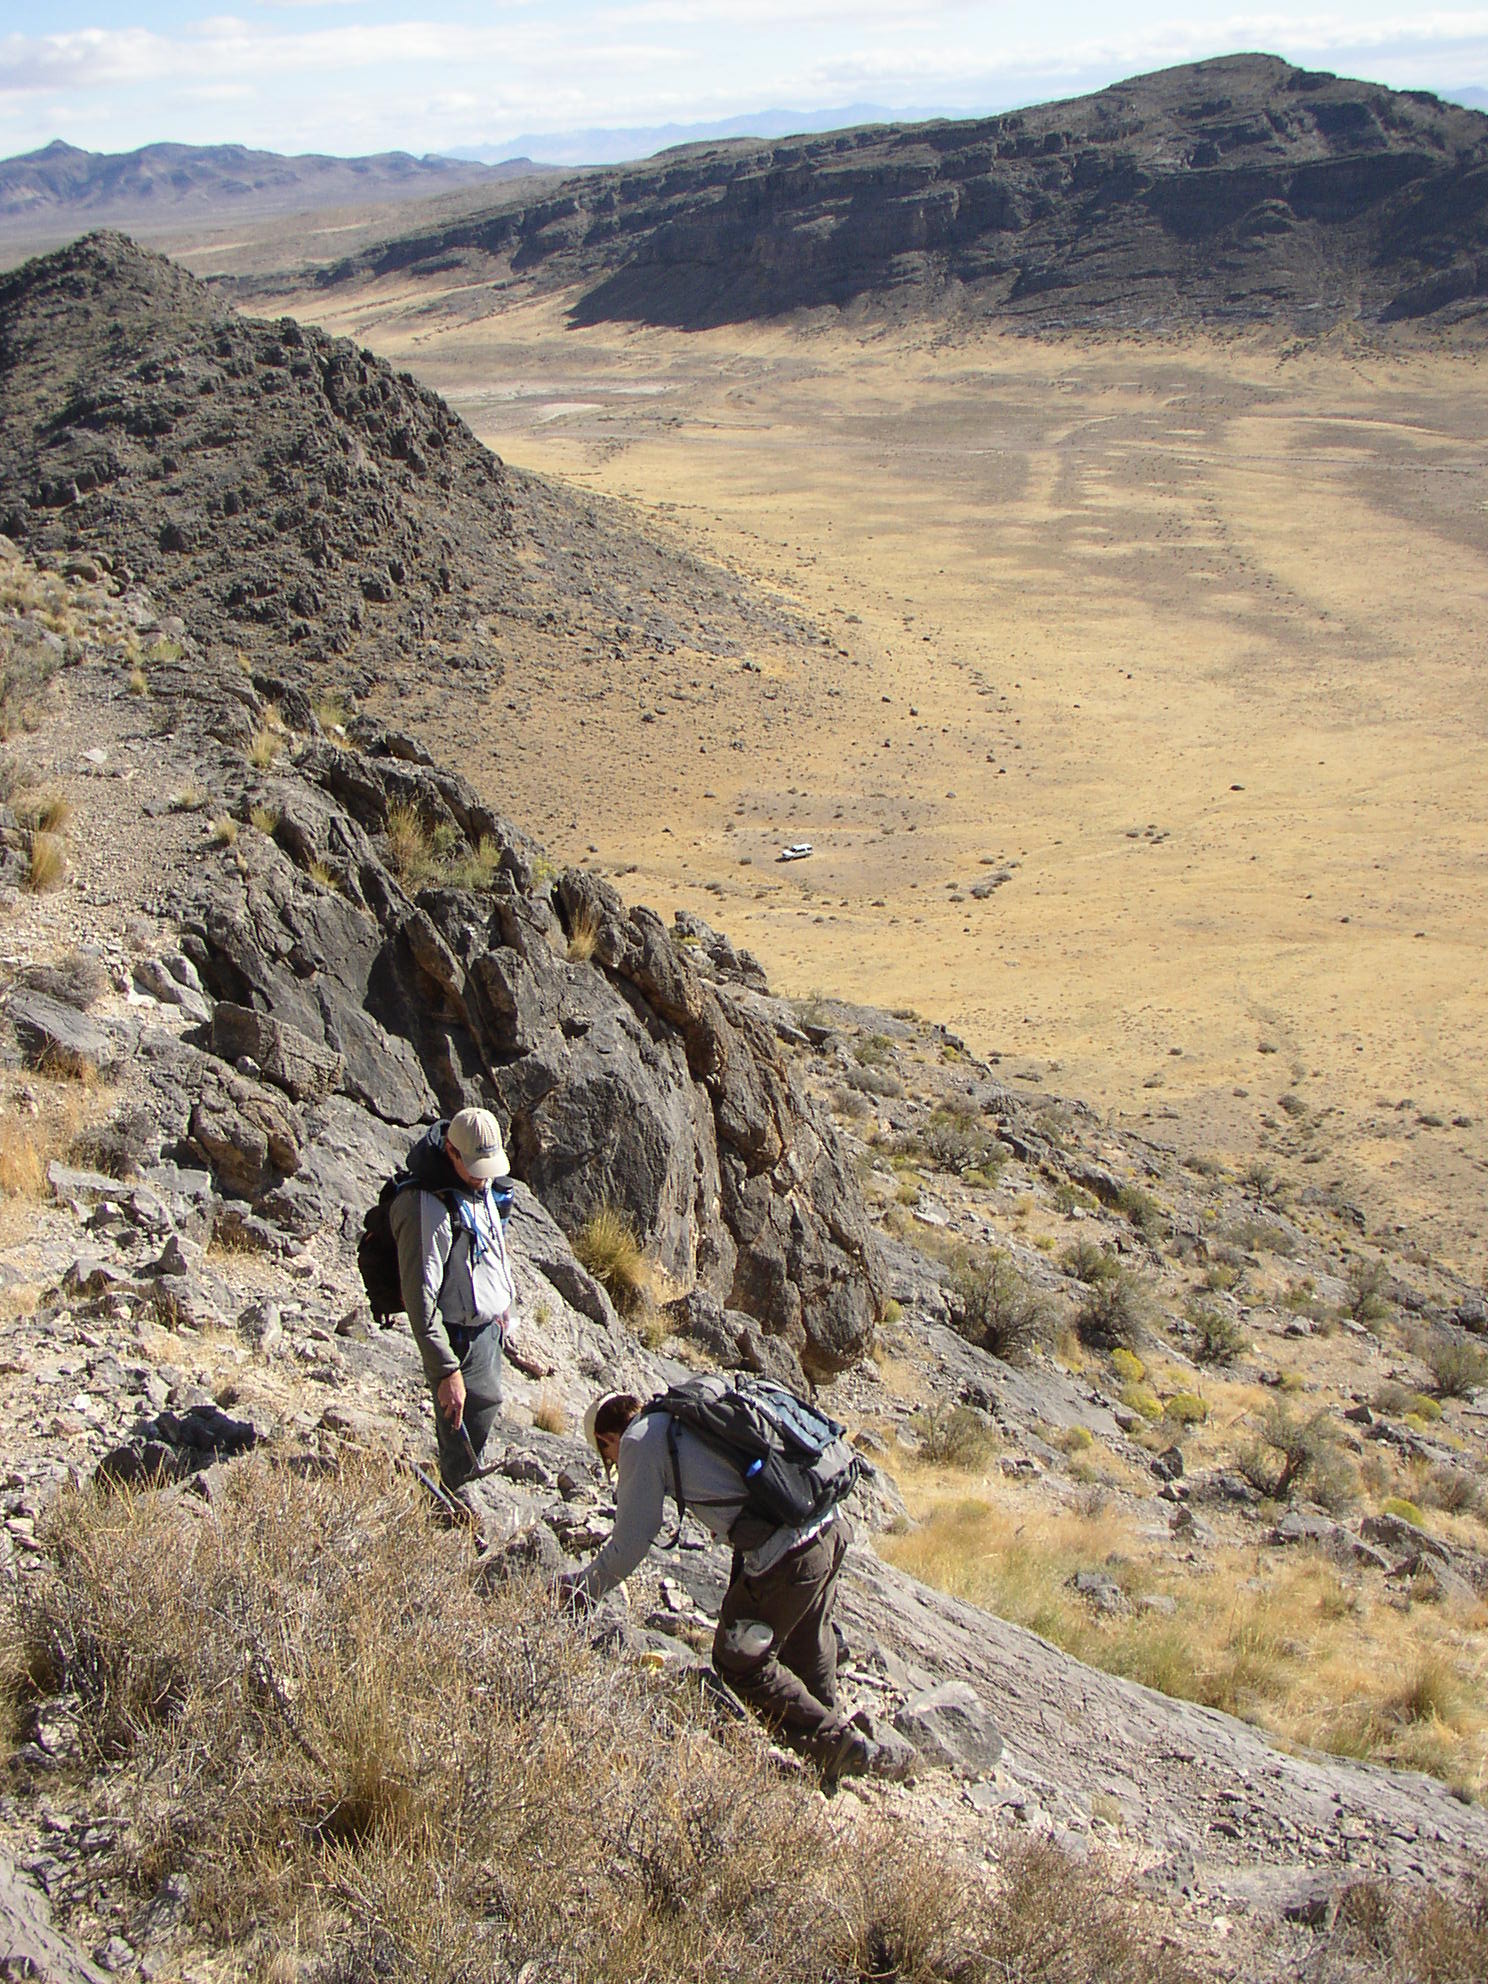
pixel 793 1683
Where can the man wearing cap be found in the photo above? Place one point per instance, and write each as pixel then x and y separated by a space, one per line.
pixel 457 1279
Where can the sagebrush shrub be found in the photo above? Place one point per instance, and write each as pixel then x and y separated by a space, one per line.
pixel 993 1306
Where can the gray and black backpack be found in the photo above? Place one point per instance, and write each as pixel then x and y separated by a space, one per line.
pixel 794 1460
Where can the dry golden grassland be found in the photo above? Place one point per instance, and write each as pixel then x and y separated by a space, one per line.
pixel 42 1117
pixel 263 1705
pixel 1314 1654
pixel 1181 636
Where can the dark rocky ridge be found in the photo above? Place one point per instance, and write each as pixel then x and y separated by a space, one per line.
pixel 280 481
pixel 287 489
pixel 1228 192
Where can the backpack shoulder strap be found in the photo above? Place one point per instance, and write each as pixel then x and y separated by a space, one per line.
pixel 659 1406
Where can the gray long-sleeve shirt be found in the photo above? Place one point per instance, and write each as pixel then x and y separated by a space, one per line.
pixel 478 1288
pixel 711 1487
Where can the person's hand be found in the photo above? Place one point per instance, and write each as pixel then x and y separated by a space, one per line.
pixel 451 1397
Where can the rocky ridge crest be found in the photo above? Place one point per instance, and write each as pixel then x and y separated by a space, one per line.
pixel 1231 192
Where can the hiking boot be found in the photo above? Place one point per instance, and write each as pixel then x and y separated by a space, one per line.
pixel 851 1755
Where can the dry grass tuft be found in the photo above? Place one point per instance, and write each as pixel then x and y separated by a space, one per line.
pixel 45 812
pixel 1402 1936
pixel 224 830
pixel 410 845
pixel 262 1691
pixel 583 934
pixel 548 1414
pixel 264 747
pixel 41 1124
pixel 22 1160
pixel 1302 1650
pixel 48 863
pixel 606 1244
pixel 477 868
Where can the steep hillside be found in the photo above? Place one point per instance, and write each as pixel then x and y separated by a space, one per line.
pixel 265 1713
pixel 1229 192
pixel 228 998
pixel 292 491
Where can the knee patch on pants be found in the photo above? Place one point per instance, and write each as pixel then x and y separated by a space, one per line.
pixel 741 1646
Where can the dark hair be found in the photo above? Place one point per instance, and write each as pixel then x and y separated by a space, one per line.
pixel 616 1414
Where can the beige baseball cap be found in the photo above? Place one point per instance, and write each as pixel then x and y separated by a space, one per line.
pixel 475 1138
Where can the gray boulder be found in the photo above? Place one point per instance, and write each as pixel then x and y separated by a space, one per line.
pixel 305 1069
pixel 59 1037
pixel 951 1727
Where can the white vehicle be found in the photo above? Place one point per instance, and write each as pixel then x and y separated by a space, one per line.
pixel 796 850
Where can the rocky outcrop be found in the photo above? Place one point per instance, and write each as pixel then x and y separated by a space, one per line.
pixel 632 1071
pixel 297 499
pixel 366 944
pixel 1236 190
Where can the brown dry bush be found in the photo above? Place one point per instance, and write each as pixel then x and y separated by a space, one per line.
pixel 308 1707
pixel 1406 1937
pixel 77 979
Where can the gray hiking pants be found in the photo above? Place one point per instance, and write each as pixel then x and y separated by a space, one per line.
pixel 793 1683
pixel 480 1367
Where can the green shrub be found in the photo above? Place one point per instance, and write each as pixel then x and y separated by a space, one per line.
pixel 1070 1197
pixel 993 1306
pixel 1366 1301
pixel 1219 1339
pixel 1139 1399
pixel 1290 1452
pixel 1457 1364
pixel 1113 1314
pixel 954 1436
pixel 1090 1262
pixel 1397 1505
pixel 958 1140
pixel 1126 1364
pixel 474 868
pixel 1144 1212
pixel 1185 1409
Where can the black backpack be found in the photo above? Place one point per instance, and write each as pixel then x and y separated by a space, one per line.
pixel 794 1461
pixel 377 1250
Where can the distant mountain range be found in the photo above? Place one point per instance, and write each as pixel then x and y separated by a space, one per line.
pixel 1235 191
pixel 613 145
pixel 61 188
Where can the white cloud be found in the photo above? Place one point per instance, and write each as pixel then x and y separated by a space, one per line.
pixel 354 76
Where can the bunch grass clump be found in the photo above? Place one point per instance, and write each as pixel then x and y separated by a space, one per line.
pixel 47 864
pixel 347 1789
pixel 410 844
pixel 607 1246
pixel 583 934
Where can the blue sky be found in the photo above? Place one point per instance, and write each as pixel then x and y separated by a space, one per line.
pixel 372 75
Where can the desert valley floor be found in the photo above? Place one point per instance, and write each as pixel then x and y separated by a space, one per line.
pixel 1182 639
